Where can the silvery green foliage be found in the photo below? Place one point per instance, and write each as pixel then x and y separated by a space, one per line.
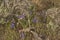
pixel 54 14
pixel 54 21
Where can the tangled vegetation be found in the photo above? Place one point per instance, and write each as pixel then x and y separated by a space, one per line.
pixel 29 19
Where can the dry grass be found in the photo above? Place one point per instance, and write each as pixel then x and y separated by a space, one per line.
pixel 29 20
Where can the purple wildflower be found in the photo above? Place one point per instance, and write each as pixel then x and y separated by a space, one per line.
pixel 34 20
pixel 12 25
pixel 21 16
